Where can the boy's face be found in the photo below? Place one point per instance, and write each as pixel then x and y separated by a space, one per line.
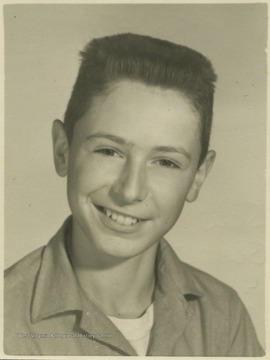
pixel 132 164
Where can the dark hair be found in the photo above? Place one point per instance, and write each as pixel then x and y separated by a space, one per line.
pixel 152 61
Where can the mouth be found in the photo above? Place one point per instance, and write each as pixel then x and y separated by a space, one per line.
pixel 119 218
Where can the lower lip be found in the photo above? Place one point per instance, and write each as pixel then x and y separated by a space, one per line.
pixel 113 225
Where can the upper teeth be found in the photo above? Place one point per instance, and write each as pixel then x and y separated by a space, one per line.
pixel 121 218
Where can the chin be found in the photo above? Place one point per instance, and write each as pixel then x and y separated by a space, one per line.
pixel 121 248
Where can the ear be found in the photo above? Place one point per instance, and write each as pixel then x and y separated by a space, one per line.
pixel 60 148
pixel 200 176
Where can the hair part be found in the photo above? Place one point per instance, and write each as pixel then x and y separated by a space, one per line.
pixel 152 61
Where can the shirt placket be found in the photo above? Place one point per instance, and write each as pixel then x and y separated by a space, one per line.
pixel 100 329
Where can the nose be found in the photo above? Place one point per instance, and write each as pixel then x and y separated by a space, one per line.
pixel 131 185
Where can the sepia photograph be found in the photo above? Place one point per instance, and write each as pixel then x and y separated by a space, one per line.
pixel 135 179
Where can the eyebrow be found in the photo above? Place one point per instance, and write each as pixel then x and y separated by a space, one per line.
pixel 122 141
pixel 114 138
pixel 171 149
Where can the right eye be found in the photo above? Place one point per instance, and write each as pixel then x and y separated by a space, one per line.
pixel 107 152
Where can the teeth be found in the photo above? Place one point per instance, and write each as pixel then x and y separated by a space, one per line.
pixel 128 221
pixel 120 218
pixel 108 212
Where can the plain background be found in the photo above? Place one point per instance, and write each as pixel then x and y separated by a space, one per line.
pixel 223 232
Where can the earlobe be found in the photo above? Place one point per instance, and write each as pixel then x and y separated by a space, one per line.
pixel 200 176
pixel 60 148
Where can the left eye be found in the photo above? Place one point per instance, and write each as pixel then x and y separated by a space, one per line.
pixel 167 163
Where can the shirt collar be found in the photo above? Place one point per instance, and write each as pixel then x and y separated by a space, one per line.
pixel 57 290
pixel 174 275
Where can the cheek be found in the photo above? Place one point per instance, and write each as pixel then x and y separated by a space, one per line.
pixel 87 176
pixel 173 205
pixel 171 194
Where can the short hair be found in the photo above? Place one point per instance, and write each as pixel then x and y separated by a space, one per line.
pixel 151 61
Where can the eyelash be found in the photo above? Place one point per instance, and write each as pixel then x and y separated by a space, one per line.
pixel 107 152
pixel 168 164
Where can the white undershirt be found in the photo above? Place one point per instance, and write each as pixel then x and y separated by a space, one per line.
pixel 137 331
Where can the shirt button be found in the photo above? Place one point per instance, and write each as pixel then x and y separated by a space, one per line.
pixel 87 313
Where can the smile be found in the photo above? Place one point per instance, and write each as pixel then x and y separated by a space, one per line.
pixel 118 217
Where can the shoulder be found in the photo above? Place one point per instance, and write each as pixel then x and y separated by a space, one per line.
pixel 21 270
pixel 205 282
pixel 215 298
pixel 216 308
pixel 191 280
pixel 224 312
pixel 219 301
pixel 24 270
pixel 19 287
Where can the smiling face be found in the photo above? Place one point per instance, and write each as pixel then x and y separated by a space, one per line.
pixel 132 164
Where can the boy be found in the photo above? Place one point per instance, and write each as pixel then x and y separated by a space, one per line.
pixel 134 148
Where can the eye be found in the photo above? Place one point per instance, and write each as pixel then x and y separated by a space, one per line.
pixel 167 164
pixel 107 152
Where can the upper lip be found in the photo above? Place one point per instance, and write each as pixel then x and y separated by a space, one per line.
pixel 119 212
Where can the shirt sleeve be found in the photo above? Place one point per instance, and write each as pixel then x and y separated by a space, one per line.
pixel 243 339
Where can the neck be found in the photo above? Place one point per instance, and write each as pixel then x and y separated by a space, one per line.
pixel 120 287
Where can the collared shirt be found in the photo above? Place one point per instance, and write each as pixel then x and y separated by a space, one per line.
pixel 47 314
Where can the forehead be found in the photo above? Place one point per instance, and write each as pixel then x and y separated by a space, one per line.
pixel 142 113
pixel 136 95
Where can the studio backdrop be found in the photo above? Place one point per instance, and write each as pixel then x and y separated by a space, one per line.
pixel 223 232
